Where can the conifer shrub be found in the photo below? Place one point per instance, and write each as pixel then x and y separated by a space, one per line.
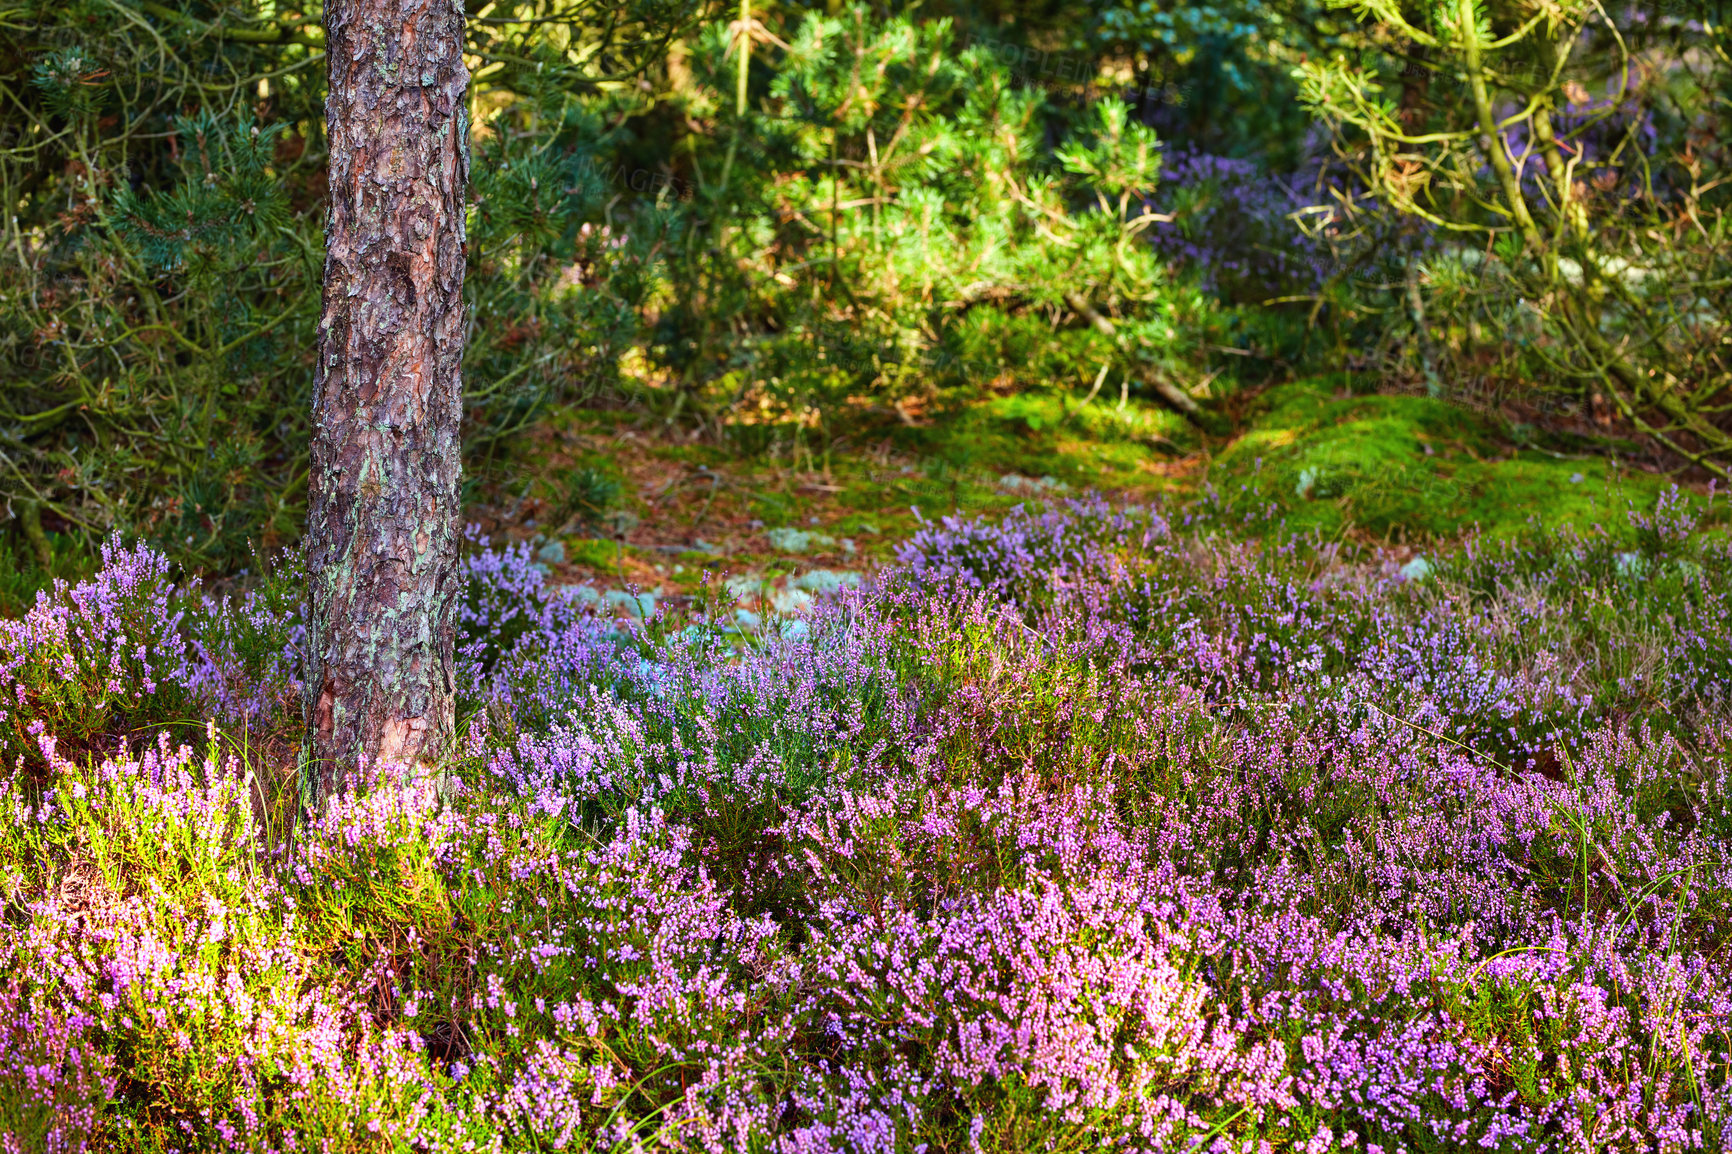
pixel 160 260
pixel 797 262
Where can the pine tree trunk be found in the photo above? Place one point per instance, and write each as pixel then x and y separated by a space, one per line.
pixel 382 515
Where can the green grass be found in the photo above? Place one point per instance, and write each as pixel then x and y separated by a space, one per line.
pixel 22 571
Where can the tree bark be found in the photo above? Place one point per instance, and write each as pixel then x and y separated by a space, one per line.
pixel 382 515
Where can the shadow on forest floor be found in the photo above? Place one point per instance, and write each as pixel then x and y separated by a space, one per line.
pixel 612 500
pixel 655 511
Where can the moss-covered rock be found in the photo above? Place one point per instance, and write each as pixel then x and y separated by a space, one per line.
pixel 1408 468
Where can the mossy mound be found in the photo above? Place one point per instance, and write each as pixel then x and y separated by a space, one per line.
pixel 1404 468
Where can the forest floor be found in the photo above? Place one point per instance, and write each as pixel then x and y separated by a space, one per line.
pixel 1409 474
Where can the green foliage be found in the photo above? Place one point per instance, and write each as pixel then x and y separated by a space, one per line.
pixel 582 498
pixel 567 290
pixel 895 219
pixel 23 573
pixel 159 174
pixel 227 198
pixel 162 169
pixel 1568 167
pixel 1217 73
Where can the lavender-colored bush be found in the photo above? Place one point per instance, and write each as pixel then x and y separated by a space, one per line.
pixel 52 1079
pixel 1234 227
pixel 92 658
pixel 1096 828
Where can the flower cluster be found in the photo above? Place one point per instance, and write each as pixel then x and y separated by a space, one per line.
pixel 1091 828
pixel 52 1079
pixel 92 657
pixel 1234 225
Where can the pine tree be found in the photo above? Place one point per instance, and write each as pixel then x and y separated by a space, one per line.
pixel 382 519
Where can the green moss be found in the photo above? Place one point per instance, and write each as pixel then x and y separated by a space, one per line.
pixel 1411 469
pixel 593 552
pixel 1052 434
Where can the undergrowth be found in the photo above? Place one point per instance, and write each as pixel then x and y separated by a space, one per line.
pixel 1096 826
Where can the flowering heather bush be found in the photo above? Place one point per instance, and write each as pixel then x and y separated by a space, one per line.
pixel 116 653
pixel 94 657
pixel 51 1079
pixel 1233 227
pixel 1095 828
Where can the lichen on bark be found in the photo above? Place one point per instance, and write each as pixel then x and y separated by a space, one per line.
pixel 382 518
